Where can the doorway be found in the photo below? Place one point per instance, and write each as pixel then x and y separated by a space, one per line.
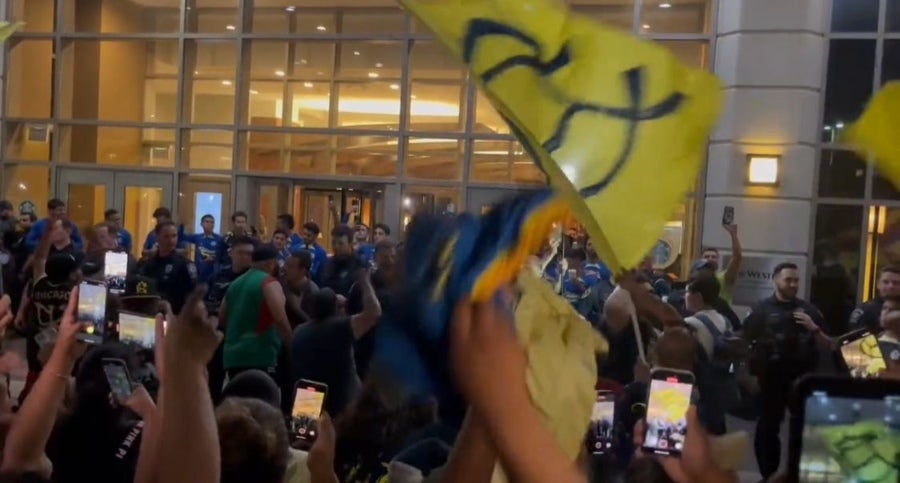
pixel 89 193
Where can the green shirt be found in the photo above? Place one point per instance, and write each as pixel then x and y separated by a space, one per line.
pixel 724 293
pixel 250 337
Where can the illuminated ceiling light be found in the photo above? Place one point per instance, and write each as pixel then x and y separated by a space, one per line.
pixel 407 202
pixel 280 73
pixel 646 26
pixel 381 107
pixel 226 82
pixel 304 61
pixel 379 65
pixel 321 28
pixel 290 9
pixel 762 170
pixel 356 52
pixel 395 87
pixel 373 75
pixel 839 125
pixel 665 5
pixel 308 85
pixel 22 186
pixel 413 96
pixel 254 91
pixel 229 27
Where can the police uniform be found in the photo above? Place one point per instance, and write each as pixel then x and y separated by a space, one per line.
pixel 782 352
pixel 174 276
pixel 868 315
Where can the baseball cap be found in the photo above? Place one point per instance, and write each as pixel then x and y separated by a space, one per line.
pixel 701 264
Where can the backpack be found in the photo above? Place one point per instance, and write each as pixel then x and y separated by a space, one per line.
pixel 728 359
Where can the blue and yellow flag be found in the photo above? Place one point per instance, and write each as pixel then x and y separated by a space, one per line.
pixel 877 132
pixel 618 124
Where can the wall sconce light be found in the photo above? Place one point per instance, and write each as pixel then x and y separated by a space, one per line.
pixel 762 170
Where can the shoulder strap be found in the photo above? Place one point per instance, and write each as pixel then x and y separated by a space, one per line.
pixel 710 326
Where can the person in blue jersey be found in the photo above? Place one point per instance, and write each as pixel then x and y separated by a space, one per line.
pixel 280 243
pixel 309 235
pixel 574 286
pixel 123 238
pixel 55 208
pixel 162 215
pixel 208 245
pixel 285 223
pixel 597 275
pixel 364 250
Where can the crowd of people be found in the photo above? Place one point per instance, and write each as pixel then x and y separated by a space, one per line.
pixel 252 313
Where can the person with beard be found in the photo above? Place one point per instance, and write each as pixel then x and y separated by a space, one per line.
pixel 384 279
pixel 56 210
pixel 299 288
pixel 782 330
pixel 309 234
pixel 175 276
pixel 338 272
pixel 241 258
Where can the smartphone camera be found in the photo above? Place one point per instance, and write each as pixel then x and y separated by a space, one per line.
pixel 600 432
pixel 92 311
pixel 667 404
pixel 117 376
pixel 309 398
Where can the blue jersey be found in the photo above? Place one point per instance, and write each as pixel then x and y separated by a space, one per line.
pixel 319 255
pixel 295 243
pixel 123 239
pixel 596 272
pixel 37 231
pixel 206 252
pixel 366 253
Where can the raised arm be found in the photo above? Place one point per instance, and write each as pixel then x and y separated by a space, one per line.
pixel 42 252
pixel 371 308
pixel 734 266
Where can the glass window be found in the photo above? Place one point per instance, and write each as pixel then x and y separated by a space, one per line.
pixel 692 53
pixel 893 15
pixel 310 104
pixel 375 22
pixel 204 194
pixel 27 184
pixel 854 16
pixel 675 16
pixel 433 158
pixel 315 21
pixel 29 78
pixel 491 161
pixel 313 60
pixel 851 67
pixel 836 261
pixel 619 13
pixel 107 80
pixel 436 107
pixel 266 106
pixel 117 146
pixel 213 59
pixel 212 16
pixel 487 119
pixel 288 153
pixel 268 60
pixel 368 105
pixel 431 60
pixel 842 174
pixel 370 60
pixel 524 170
pixel 882 189
pixel 121 17
pixel 886 246
pixel 438 200
pixel 38 15
pixel 213 102
pixel 207 149
pixel 366 156
pixel 890 63
pixel 27 141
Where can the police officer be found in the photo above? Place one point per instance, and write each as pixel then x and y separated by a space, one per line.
pixel 783 330
pixel 867 316
pixel 174 275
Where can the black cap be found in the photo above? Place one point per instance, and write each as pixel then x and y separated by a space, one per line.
pixel 140 286
pixel 264 253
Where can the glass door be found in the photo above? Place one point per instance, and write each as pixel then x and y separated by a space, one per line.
pixel 88 195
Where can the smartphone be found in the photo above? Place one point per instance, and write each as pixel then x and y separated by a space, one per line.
pixel 668 401
pixel 117 376
pixel 600 432
pixel 115 270
pixel 309 398
pixel 137 329
pixel 728 216
pixel 92 310
pixel 861 354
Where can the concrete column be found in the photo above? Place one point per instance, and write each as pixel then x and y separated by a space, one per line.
pixel 770 56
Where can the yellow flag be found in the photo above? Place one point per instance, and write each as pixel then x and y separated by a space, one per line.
pixel 877 132
pixel 8 28
pixel 619 125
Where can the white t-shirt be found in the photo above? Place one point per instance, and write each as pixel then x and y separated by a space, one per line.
pixel 297 472
pixel 703 336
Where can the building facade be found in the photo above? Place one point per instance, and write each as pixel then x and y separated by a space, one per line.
pixel 274 106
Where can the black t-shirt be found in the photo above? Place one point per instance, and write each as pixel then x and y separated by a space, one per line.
pixel 339 274
pixel 323 352
pixel 82 451
pixel 48 303
pixel 175 277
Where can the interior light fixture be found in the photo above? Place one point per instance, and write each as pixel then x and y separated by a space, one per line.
pixel 646 26
pixel 290 9
pixel 356 52
pixel 763 170
pixel 230 27
pixel 407 202
pixel 378 65
pixel 321 28
pixel 373 75
pixel 226 82
pixel 280 73
pixel 395 87
pixel 665 5
pixel 308 85
pixel 254 91
pixel 839 125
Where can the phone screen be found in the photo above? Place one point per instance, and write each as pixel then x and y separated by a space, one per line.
pixel 117 377
pixel 670 397
pixel 115 270
pixel 137 329
pixel 728 216
pixel 850 439
pixel 600 432
pixel 308 402
pixel 863 357
pixel 92 310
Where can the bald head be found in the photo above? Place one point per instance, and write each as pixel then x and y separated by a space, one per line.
pixel 618 309
pixel 677 349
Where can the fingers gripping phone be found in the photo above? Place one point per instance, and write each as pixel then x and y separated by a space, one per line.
pixel 118 378
pixel 309 398
pixel 600 433
pixel 861 354
pixel 668 401
pixel 91 311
